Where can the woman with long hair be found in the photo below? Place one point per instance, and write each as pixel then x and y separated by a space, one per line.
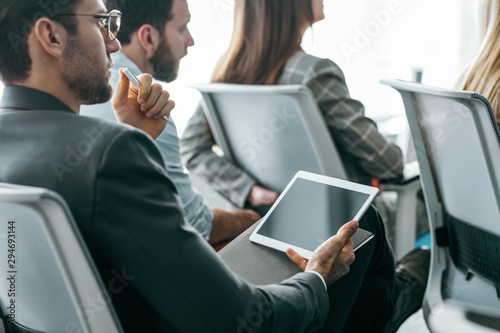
pixel 265 49
pixel 484 75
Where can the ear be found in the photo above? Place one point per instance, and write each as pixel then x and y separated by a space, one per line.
pixel 51 36
pixel 149 38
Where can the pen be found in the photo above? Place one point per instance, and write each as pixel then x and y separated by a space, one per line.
pixel 135 82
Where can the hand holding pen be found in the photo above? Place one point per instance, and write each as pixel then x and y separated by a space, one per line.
pixel 143 104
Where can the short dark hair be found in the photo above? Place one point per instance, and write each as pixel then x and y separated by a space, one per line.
pixel 17 18
pixel 139 12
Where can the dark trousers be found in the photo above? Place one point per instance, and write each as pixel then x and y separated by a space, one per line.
pixel 362 301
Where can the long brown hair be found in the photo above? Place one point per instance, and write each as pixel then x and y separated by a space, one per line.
pixel 484 75
pixel 266 34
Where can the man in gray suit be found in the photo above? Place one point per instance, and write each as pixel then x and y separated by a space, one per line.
pixel 55 57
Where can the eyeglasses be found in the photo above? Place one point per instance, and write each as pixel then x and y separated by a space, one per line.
pixel 110 21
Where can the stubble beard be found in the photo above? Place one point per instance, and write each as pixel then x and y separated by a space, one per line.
pixel 165 67
pixel 89 83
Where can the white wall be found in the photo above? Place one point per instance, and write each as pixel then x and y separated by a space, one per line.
pixel 360 36
pixel 439 36
pixel 391 37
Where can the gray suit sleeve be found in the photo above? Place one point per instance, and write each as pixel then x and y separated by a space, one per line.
pixel 138 225
pixel 197 155
pixel 352 131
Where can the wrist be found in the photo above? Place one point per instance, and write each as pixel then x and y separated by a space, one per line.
pixel 320 276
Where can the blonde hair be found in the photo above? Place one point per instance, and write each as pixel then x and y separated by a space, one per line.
pixel 266 34
pixel 484 75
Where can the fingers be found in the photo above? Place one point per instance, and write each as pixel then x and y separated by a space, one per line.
pixel 153 99
pixel 336 243
pixel 121 93
pixel 161 107
pixel 345 259
pixel 271 197
pixel 348 252
pixel 165 111
pixel 259 196
pixel 296 258
pixel 332 258
pixel 348 245
pixel 347 230
pixel 145 90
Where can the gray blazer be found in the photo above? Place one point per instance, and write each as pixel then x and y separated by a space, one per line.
pixel 161 274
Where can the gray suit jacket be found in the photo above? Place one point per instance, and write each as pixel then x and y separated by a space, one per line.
pixel 129 213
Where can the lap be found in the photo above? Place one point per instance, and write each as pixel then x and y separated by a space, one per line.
pixel 262 265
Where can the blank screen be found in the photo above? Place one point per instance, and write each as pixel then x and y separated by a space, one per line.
pixel 311 212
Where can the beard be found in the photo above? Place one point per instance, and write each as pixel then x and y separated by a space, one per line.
pixel 165 67
pixel 89 83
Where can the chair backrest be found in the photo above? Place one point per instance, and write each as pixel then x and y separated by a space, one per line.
pixel 270 131
pixel 52 284
pixel 458 149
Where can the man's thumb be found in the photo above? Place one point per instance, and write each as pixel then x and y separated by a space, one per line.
pixel 121 92
pixel 348 229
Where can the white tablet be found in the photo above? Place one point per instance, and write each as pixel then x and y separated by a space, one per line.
pixel 310 210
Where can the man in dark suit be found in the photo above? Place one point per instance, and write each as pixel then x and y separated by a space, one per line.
pixel 55 56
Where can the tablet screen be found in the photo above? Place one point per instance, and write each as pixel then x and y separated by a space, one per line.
pixel 311 212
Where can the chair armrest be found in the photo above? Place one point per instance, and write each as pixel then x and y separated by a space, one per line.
pixel 401 184
pixel 411 173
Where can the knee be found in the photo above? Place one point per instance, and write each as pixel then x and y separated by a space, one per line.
pixel 372 221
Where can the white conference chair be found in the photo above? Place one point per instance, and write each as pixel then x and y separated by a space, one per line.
pixel 54 283
pixel 273 131
pixel 457 143
pixel 265 130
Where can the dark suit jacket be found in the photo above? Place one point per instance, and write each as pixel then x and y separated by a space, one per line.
pixel 114 180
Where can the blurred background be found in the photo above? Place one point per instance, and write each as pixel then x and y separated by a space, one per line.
pixel 368 39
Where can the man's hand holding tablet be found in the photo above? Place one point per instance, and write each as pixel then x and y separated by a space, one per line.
pixel 306 222
pixel 332 258
pixel 310 210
